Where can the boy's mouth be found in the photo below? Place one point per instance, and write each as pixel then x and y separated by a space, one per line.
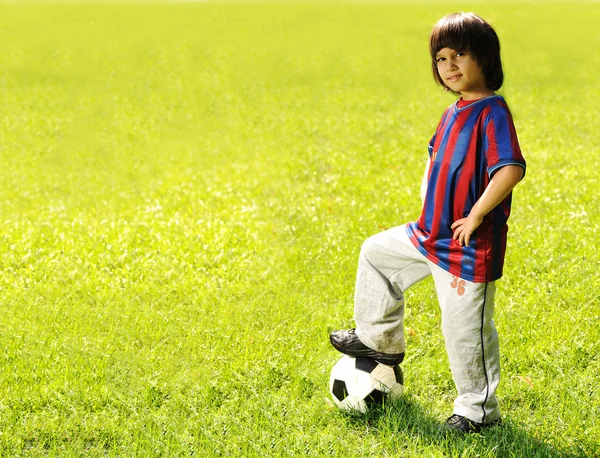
pixel 455 77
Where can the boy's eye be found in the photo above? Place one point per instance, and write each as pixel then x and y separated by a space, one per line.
pixel 440 59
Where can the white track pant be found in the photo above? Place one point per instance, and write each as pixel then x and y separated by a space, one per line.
pixel 389 264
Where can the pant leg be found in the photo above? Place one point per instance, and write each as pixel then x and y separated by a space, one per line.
pixel 471 342
pixel 388 265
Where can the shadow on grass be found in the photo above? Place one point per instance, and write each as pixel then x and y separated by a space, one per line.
pixel 406 419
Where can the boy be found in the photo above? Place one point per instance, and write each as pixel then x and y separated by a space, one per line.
pixel 460 238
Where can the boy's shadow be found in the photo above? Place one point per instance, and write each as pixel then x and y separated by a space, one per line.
pixel 407 419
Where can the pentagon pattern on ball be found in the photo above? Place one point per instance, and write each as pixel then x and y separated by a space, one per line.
pixel 366 364
pixel 374 398
pixel 399 375
pixel 339 390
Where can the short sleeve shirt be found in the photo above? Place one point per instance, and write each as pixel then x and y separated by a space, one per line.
pixel 470 144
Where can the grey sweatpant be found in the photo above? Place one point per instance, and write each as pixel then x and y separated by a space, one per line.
pixel 388 265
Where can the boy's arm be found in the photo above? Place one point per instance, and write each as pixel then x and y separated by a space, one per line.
pixel 500 186
pixel 424 182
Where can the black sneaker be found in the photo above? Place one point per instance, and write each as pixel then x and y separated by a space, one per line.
pixel 348 343
pixel 464 425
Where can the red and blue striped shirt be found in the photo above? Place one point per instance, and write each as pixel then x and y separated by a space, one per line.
pixel 470 144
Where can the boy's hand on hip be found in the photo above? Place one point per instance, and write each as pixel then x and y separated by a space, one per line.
pixel 464 228
pixel 500 186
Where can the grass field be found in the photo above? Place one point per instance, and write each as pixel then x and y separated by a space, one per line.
pixel 185 189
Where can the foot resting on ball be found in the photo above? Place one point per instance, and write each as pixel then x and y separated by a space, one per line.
pixel 348 343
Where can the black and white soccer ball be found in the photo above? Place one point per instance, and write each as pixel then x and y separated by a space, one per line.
pixel 357 384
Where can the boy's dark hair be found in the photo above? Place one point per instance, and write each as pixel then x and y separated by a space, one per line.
pixel 468 32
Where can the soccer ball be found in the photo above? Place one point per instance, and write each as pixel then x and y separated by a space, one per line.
pixel 356 384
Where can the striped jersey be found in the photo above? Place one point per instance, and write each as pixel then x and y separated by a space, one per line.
pixel 470 144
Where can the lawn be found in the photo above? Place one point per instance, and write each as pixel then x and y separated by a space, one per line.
pixel 185 189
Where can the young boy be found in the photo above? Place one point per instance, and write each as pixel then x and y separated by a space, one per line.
pixel 460 238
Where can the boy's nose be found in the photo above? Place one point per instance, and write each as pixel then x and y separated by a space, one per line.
pixel 449 67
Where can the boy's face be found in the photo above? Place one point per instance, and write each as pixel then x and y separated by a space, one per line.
pixel 461 73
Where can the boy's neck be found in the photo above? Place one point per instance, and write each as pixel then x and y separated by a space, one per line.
pixel 468 96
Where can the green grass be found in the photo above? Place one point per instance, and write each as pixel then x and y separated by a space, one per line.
pixel 185 189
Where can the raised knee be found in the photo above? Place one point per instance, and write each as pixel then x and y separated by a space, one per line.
pixel 369 248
